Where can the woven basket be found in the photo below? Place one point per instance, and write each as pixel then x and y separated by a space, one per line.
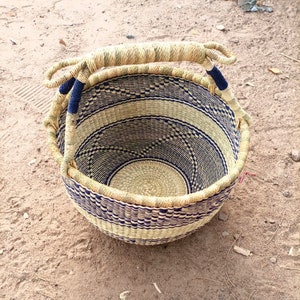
pixel 148 152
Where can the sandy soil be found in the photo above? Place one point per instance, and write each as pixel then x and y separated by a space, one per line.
pixel 49 251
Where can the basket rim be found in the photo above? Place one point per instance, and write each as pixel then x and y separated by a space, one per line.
pixel 136 199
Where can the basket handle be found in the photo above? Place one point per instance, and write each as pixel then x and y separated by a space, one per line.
pixel 139 54
pixel 83 67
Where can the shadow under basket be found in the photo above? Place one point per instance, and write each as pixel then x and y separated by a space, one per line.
pixel 155 154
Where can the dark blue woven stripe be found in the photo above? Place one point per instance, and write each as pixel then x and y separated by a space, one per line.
pixel 66 87
pixel 113 211
pixel 75 97
pixel 219 79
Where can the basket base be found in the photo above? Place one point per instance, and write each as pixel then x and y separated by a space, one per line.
pixel 150 178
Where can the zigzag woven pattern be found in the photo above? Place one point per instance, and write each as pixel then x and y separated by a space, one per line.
pixel 167 138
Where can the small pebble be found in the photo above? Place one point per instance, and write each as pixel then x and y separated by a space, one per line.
pixel 295 155
pixel 271 221
pixel 287 194
pixel 225 233
pixel 62 42
pixel 273 260
pixel 222 216
pixel 234 40
pixel 13 42
pixel 25 216
pixel 1 251
pixel 32 162
pixel 130 36
pixel 124 295
pixel 220 27
pixel 236 236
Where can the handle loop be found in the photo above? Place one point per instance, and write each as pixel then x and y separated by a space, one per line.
pixel 133 54
pixel 140 54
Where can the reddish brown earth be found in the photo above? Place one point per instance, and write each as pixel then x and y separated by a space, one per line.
pixel 49 251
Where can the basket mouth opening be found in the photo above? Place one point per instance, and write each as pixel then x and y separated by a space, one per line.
pixel 176 122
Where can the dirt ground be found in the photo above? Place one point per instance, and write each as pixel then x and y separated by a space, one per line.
pixel 49 251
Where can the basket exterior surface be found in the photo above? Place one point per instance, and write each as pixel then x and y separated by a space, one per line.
pixel 139 224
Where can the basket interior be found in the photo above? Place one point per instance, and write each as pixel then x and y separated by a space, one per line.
pixel 154 135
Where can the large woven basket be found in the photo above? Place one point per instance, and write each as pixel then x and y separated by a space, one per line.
pixel 148 152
